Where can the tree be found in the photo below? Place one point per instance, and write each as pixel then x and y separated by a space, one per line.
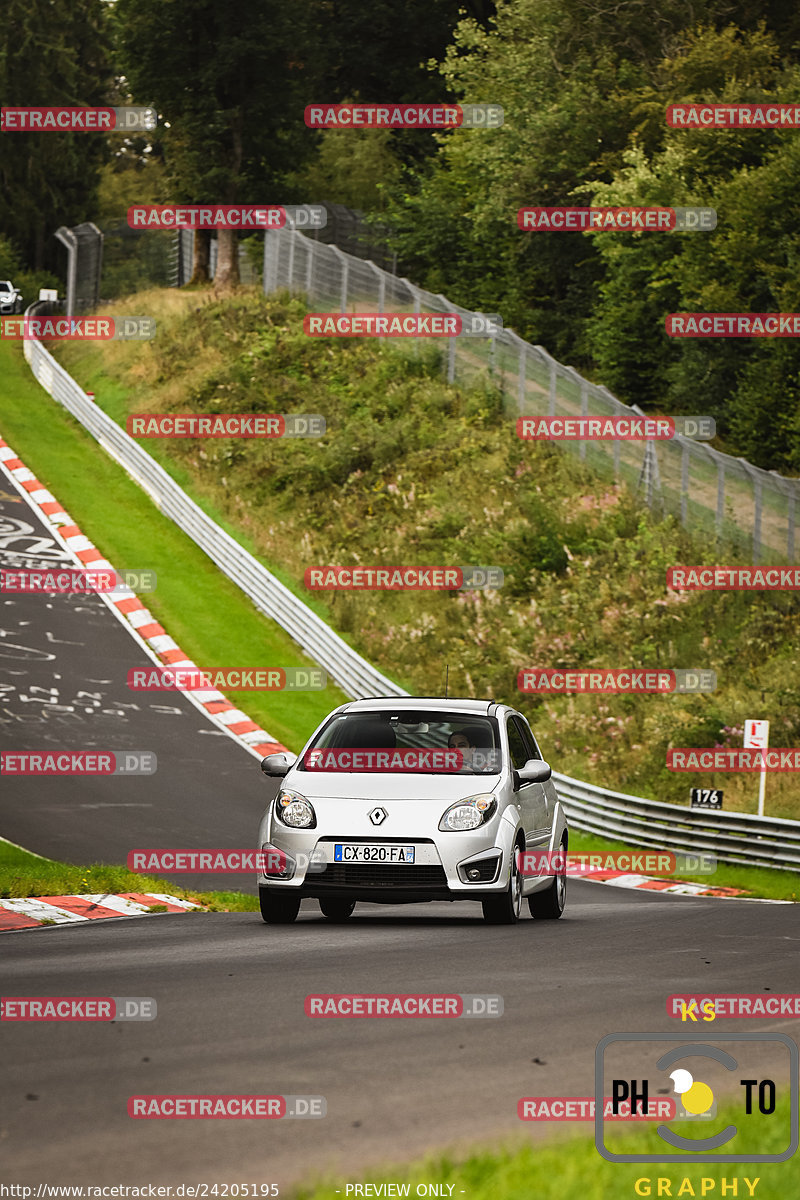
pixel 51 54
pixel 231 91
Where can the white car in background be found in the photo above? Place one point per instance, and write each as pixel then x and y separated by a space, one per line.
pixel 10 298
pixel 450 828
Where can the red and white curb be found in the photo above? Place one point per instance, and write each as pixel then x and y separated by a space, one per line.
pixel 67 910
pixel 676 887
pixel 136 618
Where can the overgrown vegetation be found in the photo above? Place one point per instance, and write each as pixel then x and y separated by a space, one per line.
pixel 413 470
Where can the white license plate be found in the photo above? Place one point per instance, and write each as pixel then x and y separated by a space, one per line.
pixel 364 853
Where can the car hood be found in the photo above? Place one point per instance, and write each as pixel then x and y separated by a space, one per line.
pixel 376 785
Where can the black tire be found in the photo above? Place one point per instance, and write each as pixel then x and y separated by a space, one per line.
pixel 505 909
pixel 548 905
pixel 337 910
pixel 278 909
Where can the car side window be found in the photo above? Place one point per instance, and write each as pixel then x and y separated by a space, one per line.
pixel 516 745
pixel 528 739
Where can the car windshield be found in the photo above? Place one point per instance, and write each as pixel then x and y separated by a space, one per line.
pixel 5 287
pixel 424 742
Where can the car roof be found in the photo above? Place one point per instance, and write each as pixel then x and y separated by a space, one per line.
pixel 399 703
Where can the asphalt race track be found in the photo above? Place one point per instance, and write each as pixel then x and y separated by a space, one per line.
pixel 230 994
pixel 64 662
pixel 230 989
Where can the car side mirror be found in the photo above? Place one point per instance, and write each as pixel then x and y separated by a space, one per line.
pixel 534 771
pixel 278 765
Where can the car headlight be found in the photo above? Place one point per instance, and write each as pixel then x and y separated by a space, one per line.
pixel 470 813
pixel 294 810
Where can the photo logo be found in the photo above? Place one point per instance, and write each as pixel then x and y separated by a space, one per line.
pixel 695 1072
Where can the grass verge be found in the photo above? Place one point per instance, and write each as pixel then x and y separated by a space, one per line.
pixel 758 882
pixel 25 874
pixel 572 1169
pixel 208 616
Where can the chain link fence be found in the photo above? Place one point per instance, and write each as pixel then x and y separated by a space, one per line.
pixel 715 495
pixel 84 245
pixel 723 498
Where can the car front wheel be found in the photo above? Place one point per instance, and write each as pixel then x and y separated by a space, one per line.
pixel 278 909
pixel 548 905
pixel 505 909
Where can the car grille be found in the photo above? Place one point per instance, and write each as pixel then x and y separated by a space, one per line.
pixel 380 875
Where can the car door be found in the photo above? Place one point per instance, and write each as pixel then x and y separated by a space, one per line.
pixel 531 797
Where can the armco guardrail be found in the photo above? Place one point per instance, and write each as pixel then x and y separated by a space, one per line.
pixel 732 837
pixel 355 676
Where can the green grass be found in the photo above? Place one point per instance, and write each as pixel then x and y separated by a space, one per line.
pixel 414 470
pixel 759 882
pixel 206 614
pixel 570 1168
pixel 23 874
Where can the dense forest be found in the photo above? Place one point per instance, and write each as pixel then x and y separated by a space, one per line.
pixel 584 88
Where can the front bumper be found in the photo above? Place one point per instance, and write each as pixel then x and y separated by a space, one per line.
pixel 459 866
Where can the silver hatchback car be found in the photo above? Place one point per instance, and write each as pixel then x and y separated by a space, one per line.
pixel 398 800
